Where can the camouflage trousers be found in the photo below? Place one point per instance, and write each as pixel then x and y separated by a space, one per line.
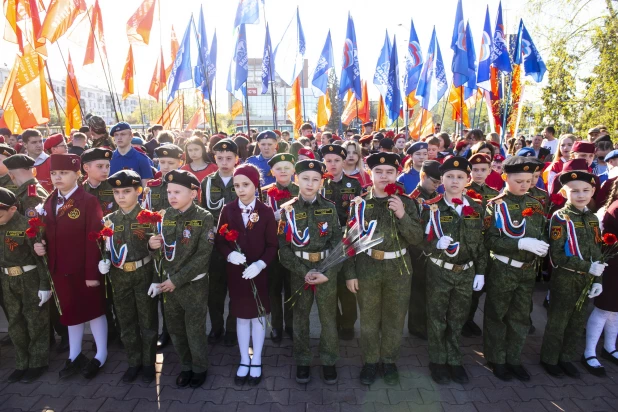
pixel 347 314
pixel 185 314
pixel 417 309
pixel 28 323
pixel 565 324
pixel 507 312
pixel 217 284
pixel 279 291
pixel 137 313
pixel 448 303
pixel 383 298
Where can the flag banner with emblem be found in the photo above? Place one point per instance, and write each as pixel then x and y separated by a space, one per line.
pixel 392 99
pixel 350 71
pixel 181 73
pixel 483 74
pixel 127 75
pixel 239 66
pixel 200 70
pixel 432 82
pixel 470 87
pixel 458 45
pixel 324 64
pixel 158 78
pixel 527 52
pixel 73 113
pixel 60 16
pixel 289 53
pixel 414 64
pixel 499 52
pixel 96 38
pixel 380 77
pixel 248 12
pixel 211 64
pixel 267 70
pixel 140 23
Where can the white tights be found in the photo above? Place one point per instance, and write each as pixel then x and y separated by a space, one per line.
pixel 255 330
pixel 99 331
pixel 598 321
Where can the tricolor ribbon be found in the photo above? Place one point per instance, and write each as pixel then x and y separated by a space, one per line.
pixel 434 228
pixel 290 227
pixel 504 223
pixel 571 246
pixel 147 200
pixel 119 256
pixel 359 217
pixel 170 250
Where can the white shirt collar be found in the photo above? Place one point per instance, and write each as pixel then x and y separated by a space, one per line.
pixel 243 207
pixel 42 157
pixel 67 196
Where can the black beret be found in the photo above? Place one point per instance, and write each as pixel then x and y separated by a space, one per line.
pixel 311 165
pixel 266 134
pixel 387 144
pixel 96 153
pixel 7 199
pixel 383 159
pixel 225 145
pixel 455 163
pixel 432 169
pixel 378 136
pixel 334 149
pixel 125 178
pixel 19 161
pixel 169 150
pixel 281 157
pixel 6 150
pixel 519 164
pixel 567 177
pixel 183 178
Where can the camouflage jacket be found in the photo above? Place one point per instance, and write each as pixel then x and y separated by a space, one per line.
pixel 341 193
pixel 128 231
pixel 420 196
pixel 104 194
pixel 292 189
pixel 218 195
pixel 155 195
pixel 7 183
pixel 542 196
pixel 29 196
pixel 484 191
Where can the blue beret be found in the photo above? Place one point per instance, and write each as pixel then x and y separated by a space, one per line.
pixel 611 155
pixel 119 127
pixel 137 140
pixel 416 147
pixel 526 152
pixel 267 134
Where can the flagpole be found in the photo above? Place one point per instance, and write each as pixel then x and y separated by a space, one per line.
pixel 272 74
pixel 81 110
pixel 302 85
pixel 478 120
pixel 247 106
pixel 446 102
pixel 506 108
pixel 161 51
pixel 461 127
pixel 204 71
pixel 54 96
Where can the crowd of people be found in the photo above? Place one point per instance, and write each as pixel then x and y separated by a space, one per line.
pixel 112 228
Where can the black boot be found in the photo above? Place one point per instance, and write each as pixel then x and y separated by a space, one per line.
pixel 519 372
pixel 91 369
pixel 215 336
pixel 131 374
pixel 303 374
pixel 230 339
pixel 329 374
pixel 63 345
pixel 148 374
pixel 501 372
pixel 16 376
pixel 164 339
pixel 569 369
pixel 32 374
pixel 276 335
pixel 553 370
pixel 439 373
pixel 391 374
pixel 74 367
pixel 184 379
pixel 458 374
pixel 197 379
pixel 368 373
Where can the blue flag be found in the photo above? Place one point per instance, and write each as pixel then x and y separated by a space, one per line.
pixel 212 62
pixel 267 70
pixel 470 88
pixel 432 82
pixel 248 12
pixel 239 67
pixel 350 72
pixel 483 74
pixel 325 62
pixel 458 44
pixel 526 50
pixel 392 100
pixel 380 77
pixel 201 69
pixel 499 52
pixel 414 62
pixel 289 54
pixel 181 70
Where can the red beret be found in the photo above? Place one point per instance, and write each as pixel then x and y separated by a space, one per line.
pixel 498 158
pixel 2 139
pixel 583 147
pixel 53 141
pixel 306 152
pixel 277 132
pixel 65 161
pixel 366 138
pixel 335 137
pixel 460 145
pixel 480 158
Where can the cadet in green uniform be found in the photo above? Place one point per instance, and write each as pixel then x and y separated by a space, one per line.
pixel 308 230
pixel 341 189
pixel 28 191
pixel 480 164
pixel 456 264
pixel 535 191
pixel 26 288
pixel 274 195
pixel 515 235
pixel 132 274
pixel 575 248
pixel 186 251
pixel 5 180
pixel 218 190
pixel 425 192
pixel 383 276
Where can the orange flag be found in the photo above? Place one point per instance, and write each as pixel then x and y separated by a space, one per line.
pixel 382 117
pixel 324 110
pixel 198 117
pixel 175 47
pixel 422 125
pixel 127 75
pixel 74 114
pixel 140 23
pixel 356 108
pixel 172 116
pixel 363 107
pixel 95 36
pixel 60 16
pixel 236 109
pixel 460 109
pixel 158 78
pixel 294 109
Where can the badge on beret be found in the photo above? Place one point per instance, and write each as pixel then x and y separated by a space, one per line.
pixel 282 157
pixel 73 161
pixel 170 178
pixel 165 152
pixel 573 175
pixel 311 165
pixel 478 160
pixel 118 182
pixel 592 180
pixel 456 163
pixel 382 160
pixel 224 145
pixel 106 154
pixel 526 168
pixel 330 149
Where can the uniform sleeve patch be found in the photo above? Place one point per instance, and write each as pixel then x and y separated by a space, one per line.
pixel 486 222
pixel 556 232
pixel 30 212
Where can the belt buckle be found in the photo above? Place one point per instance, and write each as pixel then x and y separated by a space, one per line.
pixel 457 268
pixel 314 257
pixel 377 254
pixel 15 271
pixel 130 267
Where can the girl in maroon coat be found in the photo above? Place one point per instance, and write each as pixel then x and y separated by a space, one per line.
pixel 257 241
pixel 70 215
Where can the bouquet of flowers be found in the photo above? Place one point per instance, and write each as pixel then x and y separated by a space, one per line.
pixel 392 189
pixel 146 217
pixel 609 252
pixel 104 234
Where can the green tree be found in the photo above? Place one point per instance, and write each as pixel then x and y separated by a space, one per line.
pixel 559 95
pixel 336 103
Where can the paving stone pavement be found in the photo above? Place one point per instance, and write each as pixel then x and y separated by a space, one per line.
pixel 278 390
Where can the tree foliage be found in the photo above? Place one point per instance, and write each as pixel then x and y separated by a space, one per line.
pixel 336 103
pixel 559 95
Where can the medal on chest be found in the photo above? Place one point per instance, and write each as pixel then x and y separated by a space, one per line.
pixel 323 228
pixel 186 235
pixel 253 219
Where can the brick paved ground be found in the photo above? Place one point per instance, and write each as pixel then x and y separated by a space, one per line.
pixel 279 391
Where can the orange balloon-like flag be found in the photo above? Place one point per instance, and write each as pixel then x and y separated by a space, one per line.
pixel 74 114
pixel 140 23
pixel 59 18
pixel 96 31
pixel 158 78
pixel 127 75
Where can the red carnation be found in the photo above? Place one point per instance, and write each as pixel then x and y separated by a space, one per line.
pixel 31 232
pixel 223 230
pixel 328 176
pixel 468 211
pixel 36 222
pixel 156 217
pixel 393 189
pixel 94 236
pixel 231 235
pixel 609 239
pixel 557 199
pixel 472 194
pixel 351 252
pixel 107 232
pixel 527 212
pixel 144 217
pixel 273 192
pixel 457 201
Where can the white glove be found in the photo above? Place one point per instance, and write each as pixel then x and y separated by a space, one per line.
pixel 236 258
pixel 253 270
pixel 597 268
pixel 479 282
pixel 538 247
pixel 104 266
pixel 154 290
pixel 444 242
pixel 595 290
pixel 44 295
pixel 278 214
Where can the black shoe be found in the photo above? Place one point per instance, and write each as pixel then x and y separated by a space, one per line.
pixel 131 374
pixel 63 345
pixel 255 380
pixel 346 334
pixel 502 372
pixel 72 368
pixel 6 341
pixel 439 373
pixel 609 356
pixel 149 374
pixel 599 371
pixel 276 335
pixel 553 370
pixel 546 303
pixel 417 334
pixel 391 374
pixel 164 339
pixel 230 339
pixel 91 369
pixel 17 375
pixel 32 374
pixel 184 379
pixel 368 373
pixel 215 336
pixel 458 374
pixel 241 380
pixel 474 328
pixel 198 379
pixel 569 369
pixel 303 374
pixel 329 374
pixel 531 329
pixel 290 332
pixel 519 372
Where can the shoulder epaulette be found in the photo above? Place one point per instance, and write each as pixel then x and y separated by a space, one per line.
pixel 154 182
pixel 434 200
pixel 32 191
pixel 500 196
pixel 289 202
pixel 415 193
pixel 328 200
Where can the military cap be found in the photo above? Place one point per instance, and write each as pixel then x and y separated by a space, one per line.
pixel 65 161
pixel 266 134
pixel 387 144
pixel 583 147
pixel 169 150
pixel 334 149
pixel 415 147
pixel 611 155
pixel 183 178
pixel 281 157
pixel 96 124
pixel 378 136
pixel 432 169
pixel 309 165
pixel 7 199
pixel 526 152
pixel 479 158
pixel 125 178
pixel 519 164
pixel 368 124
pixel 455 163
pixel 96 153
pixel 19 161
pixel 6 150
pixel 225 145
pixel 594 130
pixel 306 152
pixel 584 176
pixel 53 141
pixel 383 159
pixel 120 126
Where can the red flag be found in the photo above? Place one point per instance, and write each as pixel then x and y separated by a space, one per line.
pixel 73 114
pixel 172 116
pixel 96 30
pixel 175 47
pixel 127 74
pixel 59 17
pixel 140 23
pixel 158 78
